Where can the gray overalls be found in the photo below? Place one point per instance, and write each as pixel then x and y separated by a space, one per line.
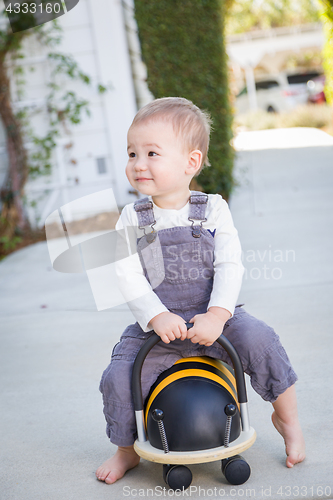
pixel 184 283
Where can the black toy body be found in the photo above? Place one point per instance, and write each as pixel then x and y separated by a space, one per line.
pixel 192 392
pixel 195 412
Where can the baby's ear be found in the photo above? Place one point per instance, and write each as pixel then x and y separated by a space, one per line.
pixel 194 162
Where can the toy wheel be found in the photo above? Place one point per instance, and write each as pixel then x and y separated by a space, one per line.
pixel 236 470
pixel 177 477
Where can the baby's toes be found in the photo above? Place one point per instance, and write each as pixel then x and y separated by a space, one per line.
pixel 112 477
pixel 101 474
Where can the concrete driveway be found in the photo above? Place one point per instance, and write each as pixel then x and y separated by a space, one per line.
pixel 54 344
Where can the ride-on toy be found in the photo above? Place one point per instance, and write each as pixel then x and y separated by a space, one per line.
pixel 196 412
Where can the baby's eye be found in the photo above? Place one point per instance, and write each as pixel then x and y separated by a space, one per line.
pixel 152 153
pixel 131 155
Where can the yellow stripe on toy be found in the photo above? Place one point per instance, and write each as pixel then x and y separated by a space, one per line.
pixel 195 372
pixel 220 365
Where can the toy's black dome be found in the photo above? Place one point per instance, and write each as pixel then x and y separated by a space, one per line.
pixel 193 395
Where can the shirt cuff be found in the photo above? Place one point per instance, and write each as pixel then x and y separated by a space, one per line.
pixel 225 305
pixel 145 308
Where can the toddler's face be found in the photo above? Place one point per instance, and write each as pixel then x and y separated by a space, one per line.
pixel 158 164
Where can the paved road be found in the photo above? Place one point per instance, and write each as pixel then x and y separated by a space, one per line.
pixel 54 344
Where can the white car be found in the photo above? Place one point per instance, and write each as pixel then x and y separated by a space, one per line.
pixel 277 93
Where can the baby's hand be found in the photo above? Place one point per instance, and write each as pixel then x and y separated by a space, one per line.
pixel 169 326
pixel 208 327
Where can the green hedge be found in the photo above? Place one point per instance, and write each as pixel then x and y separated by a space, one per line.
pixel 182 44
pixel 327 15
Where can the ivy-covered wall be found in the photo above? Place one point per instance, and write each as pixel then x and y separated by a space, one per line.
pixel 327 16
pixel 182 44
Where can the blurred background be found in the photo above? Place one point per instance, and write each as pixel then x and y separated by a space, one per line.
pixel 70 88
pixel 277 56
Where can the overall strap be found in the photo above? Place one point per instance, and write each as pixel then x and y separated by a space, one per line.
pixel 145 213
pixel 198 205
pixel 197 211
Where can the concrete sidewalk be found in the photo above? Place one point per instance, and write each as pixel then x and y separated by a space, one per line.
pixel 54 344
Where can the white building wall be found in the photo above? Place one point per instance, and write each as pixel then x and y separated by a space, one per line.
pixel 94 34
pixel 139 69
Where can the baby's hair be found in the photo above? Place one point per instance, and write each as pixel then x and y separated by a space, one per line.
pixel 189 122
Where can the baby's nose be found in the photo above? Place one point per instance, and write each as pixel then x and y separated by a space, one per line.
pixel 140 165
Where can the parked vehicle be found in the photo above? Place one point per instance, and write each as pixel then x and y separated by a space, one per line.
pixel 316 90
pixel 279 92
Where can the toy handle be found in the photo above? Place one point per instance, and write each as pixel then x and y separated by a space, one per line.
pixel 154 339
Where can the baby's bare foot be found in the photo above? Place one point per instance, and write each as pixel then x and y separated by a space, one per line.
pixel 293 438
pixel 115 467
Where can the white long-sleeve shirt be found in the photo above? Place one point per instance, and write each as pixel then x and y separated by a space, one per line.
pixel 228 267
